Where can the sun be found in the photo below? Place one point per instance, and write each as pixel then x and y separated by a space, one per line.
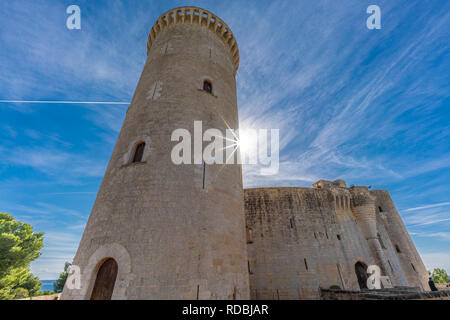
pixel 247 141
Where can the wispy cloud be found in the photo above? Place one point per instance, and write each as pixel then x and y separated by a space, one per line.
pixel 38 158
pixel 55 162
pixel 59 247
pixel 426 220
pixel 436 260
pixel 68 193
pixel 44 209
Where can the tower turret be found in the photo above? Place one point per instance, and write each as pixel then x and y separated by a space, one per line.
pixel 363 206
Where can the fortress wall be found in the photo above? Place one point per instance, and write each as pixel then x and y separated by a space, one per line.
pixel 288 226
pixel 291 225
pixel 408 258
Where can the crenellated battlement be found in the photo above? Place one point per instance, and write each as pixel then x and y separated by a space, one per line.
pixel 194 15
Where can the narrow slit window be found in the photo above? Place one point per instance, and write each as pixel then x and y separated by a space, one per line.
pixel 249 233
pixel 204 174
pixel 139 153
pixel 397 248
pixel 380 240
pixel 250 266
pixel 207 86
pixel 306 264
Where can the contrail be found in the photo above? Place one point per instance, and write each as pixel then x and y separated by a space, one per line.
pixel 65 102
pixel 434 205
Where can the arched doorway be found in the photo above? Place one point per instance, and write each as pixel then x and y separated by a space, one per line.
pixel 361 274
pixel 106 278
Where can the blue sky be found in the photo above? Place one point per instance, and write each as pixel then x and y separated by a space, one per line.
pixel 371 107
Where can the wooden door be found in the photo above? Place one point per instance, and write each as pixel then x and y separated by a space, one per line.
pixel 106 278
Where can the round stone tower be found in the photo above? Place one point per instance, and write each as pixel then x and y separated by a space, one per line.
pixel 159 230
pixel 363 206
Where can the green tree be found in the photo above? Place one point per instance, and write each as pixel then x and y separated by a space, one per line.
pixel 19 246
pixel 21 293
pixel 59 284
pixel 439 275
pixel 48 292
pixel 31 284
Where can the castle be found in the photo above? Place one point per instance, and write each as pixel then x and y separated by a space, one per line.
pixel 159 230
pixel 302 239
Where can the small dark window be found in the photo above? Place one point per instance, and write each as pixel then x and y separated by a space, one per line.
pixel 250 266
pixel 207 86
pixel 139 153
pixel 380 209
pixel 339 237
pixel 306 264
pixel 413 267
pixel 249 232
pixel 397 248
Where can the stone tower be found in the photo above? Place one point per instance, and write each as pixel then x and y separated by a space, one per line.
pixel 160 230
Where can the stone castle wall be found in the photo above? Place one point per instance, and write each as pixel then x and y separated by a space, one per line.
pixel 400 242
pixel 303 239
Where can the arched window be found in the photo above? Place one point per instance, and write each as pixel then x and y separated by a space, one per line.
pixel 361 274
pixel 207 86
pixel 139 152
pixel 397 248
